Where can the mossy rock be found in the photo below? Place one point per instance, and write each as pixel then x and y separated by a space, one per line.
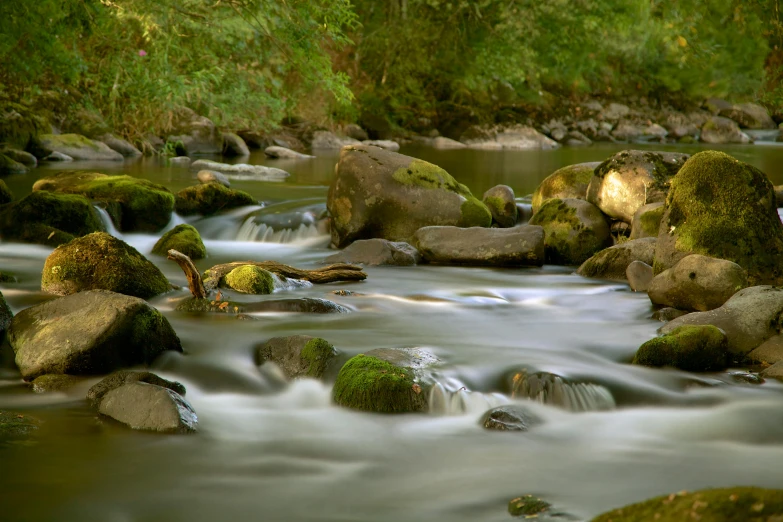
pixel 17 426
pixel 721 207
pixel 51 383
pixel 527 506
pixel 738 504
pixel 20 124
pixel 101 261
pixel 133 204
pixel 76 146
pixel 647 220
pixel 502 205
pixel 612 263
pixel 9 166
pixel 49 219
pixel 689 348
pixel 210 198
pixel 250 279
pixel 574 230
pixel 298 355
pixel 567 182
pixel 184 239
pixel 5 193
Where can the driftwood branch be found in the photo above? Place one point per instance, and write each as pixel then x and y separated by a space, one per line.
pixel 327 274
pixel 195 282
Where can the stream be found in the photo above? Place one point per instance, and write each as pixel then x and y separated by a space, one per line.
pixel 272 453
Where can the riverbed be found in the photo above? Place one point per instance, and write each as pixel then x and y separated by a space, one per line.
pixel 285 453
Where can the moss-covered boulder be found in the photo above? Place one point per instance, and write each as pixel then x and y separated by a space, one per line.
pixel 17 427
pixel 511 417
pixel 210 198
pixel 721 207
pixel 502 205
pixel 569 182
pixel 133 204
pixel 631 179
pixel 738 504
pixel 378 193
pixel 647 220
pixel 393 380
pixel 689 348
pixel 74 145
pixel 9 166
pixel 5 193
pixel 48 219
pixel 297 355
pixel 612 263
pixel 20 124
pixel 574 230
pixel 518 246
pixel 88 333
pixel 250 279
pixel 528 506
pixel 52 383
pixel 182 238
pixel 101 261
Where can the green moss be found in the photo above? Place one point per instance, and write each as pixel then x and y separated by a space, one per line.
pixel 371 384
pixel 5 193
pixel 20 124
pixel 68 140
pixel 250 279
pixel 567 240
pixel 210 198
pixel 738 504
pixel 317 353
pixel 474 214
pixel 183 238
pixel 604 264
pixel 690 348
pixel 527 505
pixel 426 175
pixel 9 166
pixel 17 426
pixel 651 221
pixel 193 305
pixel 567 182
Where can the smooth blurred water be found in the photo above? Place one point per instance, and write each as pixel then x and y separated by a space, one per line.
pixel 263 453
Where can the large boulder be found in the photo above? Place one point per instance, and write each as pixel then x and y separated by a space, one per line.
pixel 143 406
pixel 749 116
pixel 518 246
pixel 210 198
pixel 49 219
pixel 89 333
pixel 689 348
pixel 74 145
pixel 568 182
pixel 612 263
pixel 297 355
pixel 721 207
pixel 116 144
pixel 133 204
pixel 378 193
pixel 182 238
pixel 233 145
pixel 697 283
pixel 120 378
pixel 502 205
pixel 631 179
pixel 574 230
pixel 718 130
pixel 373 252
pixel 9 166
pixel 194 134
pixel 100 261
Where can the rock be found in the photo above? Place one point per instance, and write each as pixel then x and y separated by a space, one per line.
pixel 444 143
pixel 667 314
pixel 710 505
pixel 49 219
pixel 512 417
pixel 250 279
pixel 774 372
pixel 180 161
pixel 631 179
pixel 384 144
pixel 126 149
pixel 16 426
pixel 233 145
pixel 615 111
pixel 52 383
pixel 373 252
pixel 612 263
pixel 768 352
pixel 647 220
pixel 518 246
pixel 524 213
pixel 183 238
pixel 383 194
pixel 211 176
pixel 9 167
pixel 715 105
pixel 194 134
pixel 133 204
pixel 620 231
pixel 574 230
pixel 19 125
pixel 548 388
pixel 75 146
pixel 210 198
pixel 689 348
pixel 749 116
pixel 376 124
pixel 99 261
pixel 697 283
pixel 20 156
pixel 639 276
pixel 393 380
pixel 568 182
pixel 88 333
pixel 57 156
pixel 749 317
pixel 298 355
pixel 719 130
pixel 242 170
pixel 502 205
pixel 626 131
pixel 329 140
pixel 723 208
pixel 515 137
pixel 143 406
pixel 527 506
pixel 122 377
pixel 356 132
pixel 254 139
pixel 305 305
pixel 679 126
pixel 283 153
pixel 6 316
pixel 655 132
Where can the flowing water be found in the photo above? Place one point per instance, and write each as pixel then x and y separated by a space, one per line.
pixel 540 337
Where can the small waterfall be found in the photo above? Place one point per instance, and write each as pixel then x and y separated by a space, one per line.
pixel 462 401
pixel 551 389
pixel 263 233
pixel 107 222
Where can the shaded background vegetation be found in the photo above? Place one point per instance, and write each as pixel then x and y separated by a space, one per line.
pixel 250 63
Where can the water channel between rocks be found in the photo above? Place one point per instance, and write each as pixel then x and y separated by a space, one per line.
pixel 291 455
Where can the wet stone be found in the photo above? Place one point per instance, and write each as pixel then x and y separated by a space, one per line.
pixel 510 418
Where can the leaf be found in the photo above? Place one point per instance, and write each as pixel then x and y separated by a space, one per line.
pixel 682 42
pixel 416 389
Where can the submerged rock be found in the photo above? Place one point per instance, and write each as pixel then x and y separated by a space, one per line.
pixel 74 145
pixel 298 355
pixel 689 348
pixel 548 388
pixel 305 305
pixel 143 406
pixel 242 170
pixel 569 182
pixel 184 239
pixel 574 230
pixel 378 193
pixel 518 246
pixel 502 205
pixel 88 333
pixel 100 261
pixel 373 252
pixel 210 198
pixel 512 417
pixel 117 379
pixel 16 426
pixel 612 263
